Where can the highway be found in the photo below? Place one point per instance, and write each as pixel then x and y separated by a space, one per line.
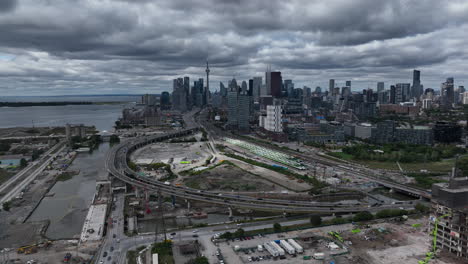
pixel 43 162
pixel 116 165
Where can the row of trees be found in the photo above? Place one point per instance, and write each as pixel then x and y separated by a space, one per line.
pixel 402 152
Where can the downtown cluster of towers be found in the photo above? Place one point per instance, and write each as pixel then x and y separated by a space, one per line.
pixel 248 97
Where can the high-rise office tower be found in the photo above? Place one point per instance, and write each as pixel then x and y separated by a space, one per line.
pixel 244 86
pixel 188 99
pixel 392 94
pixel 276 82
pixel 207 91
pixel 267 82
pixel 348 84
pixel 257 86
pixel 289 87
pixel 179 95
pixel 448 93
pixel 232 103
pixel 403 91
pixel 165 100
pixel 331 86
pixel 380 86
pixel 416 89
pixel 198 93
pixel 222 89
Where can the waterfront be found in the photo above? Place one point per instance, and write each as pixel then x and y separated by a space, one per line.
pixel 67 209
pixel 101 116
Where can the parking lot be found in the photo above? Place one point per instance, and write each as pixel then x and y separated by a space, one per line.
pixel 246 250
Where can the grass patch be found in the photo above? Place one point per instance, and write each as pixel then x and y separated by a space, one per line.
pixel 312 180
pixel 371 164
pixel 442 166
pixel 164 251
pixel 5 175
pixel 424 180
pixel 65 176
pixel 131 257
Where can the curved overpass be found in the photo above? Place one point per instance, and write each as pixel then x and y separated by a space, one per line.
pixel 116 165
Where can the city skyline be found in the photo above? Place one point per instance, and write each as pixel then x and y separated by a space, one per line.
pixel 136 47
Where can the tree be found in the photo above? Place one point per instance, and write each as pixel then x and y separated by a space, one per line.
pixel 23 163
pixel 339 221
pixel 4 146
pixel 276 227
pixel 201 260
pixel 363 216
pixel 114 139
pixel 227 235
pixel 421 208
pixel 239 233
pixel 6 206
pixel 316 220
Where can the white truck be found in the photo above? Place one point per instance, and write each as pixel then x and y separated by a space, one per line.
pixel 296 246
pixel 271 249
pixel 290 249
pixel 280 250
pixel 319 255
pixel 260 248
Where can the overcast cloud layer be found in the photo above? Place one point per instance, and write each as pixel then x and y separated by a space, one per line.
pixel 55 47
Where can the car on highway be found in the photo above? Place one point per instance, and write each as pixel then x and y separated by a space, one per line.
pixel 195 235
pixel 195 231
pixel 173 234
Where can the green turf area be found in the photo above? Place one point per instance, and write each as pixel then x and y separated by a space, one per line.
pixel 371 164
pixel 65 176
pixel 443 165
pixel 5 175
pixel 164 250
pixel 425 180
pixel 312 180
pixel 440 166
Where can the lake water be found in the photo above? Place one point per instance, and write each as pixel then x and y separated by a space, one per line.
pixel 102 117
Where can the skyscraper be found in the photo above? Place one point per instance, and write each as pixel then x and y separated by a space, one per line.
pixel 207 91
pixel 179 95
pixel 380 86
pixel 276 82
pixel 447 93
pixel 257 86
pixel 244 86
pixel 267 82
pixel 289 87
pixel 416 89
pixel 392 94
pixel 348 84
pixel 331 86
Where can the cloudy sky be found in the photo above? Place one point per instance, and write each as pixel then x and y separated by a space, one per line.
pixel 57 47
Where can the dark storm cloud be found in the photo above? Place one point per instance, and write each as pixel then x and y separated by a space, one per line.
pixel 7 5
pixel 144 44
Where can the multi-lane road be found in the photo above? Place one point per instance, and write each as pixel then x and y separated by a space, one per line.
pixel 30 173
pixel 116 165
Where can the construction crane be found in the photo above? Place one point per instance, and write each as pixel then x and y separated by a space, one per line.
pixel 430 255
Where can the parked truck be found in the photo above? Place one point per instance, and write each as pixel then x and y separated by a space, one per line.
pixel 271 249
pixel 278 248
pixel 296 246
pixel 260 248
pixel 287 247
